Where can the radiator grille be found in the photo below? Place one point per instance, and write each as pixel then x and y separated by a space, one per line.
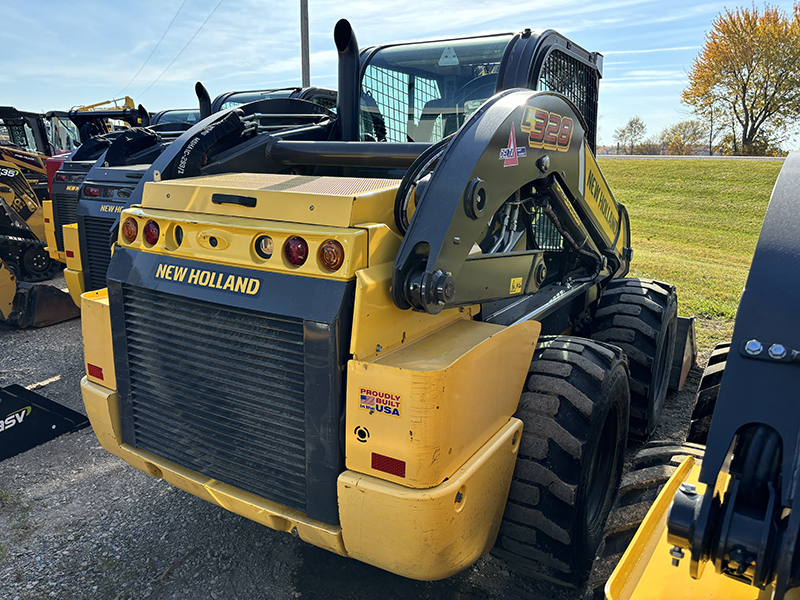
pixel 65 205
pixel 219 391
pixel 98 251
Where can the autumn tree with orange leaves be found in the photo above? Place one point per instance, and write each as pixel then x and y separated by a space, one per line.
pixel 746 78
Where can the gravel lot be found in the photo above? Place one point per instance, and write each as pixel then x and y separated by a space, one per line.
pixel 78 523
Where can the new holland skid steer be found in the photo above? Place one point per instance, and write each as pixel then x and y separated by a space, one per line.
pixel 726 524
pixel 60 209
pixel 406 337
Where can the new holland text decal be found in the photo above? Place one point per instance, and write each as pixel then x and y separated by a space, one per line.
pixel 511 154
pixel 547 130
pixel 14 418
pixel 211 279
pixel 382 402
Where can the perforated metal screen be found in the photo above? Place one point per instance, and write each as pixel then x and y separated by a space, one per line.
pixel 567 76
pixel 399 99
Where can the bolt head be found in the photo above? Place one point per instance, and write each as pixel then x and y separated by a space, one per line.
pixel 777 351
pixel 689 488
pixel 543 163
pixel 753 347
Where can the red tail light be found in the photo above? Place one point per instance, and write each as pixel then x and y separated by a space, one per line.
pixel 61 177
pixel 296 250
pixel 130 229
pixel 151 232
pixel 92 192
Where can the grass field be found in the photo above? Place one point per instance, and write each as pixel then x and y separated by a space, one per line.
pixel 695 223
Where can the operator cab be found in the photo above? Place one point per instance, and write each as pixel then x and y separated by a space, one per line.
pixel 424 92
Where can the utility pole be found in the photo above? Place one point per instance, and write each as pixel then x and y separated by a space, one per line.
pixel 304 43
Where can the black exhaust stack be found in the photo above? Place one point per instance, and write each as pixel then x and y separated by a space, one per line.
pixel 204 99
pixel 144 116
pixel 349 97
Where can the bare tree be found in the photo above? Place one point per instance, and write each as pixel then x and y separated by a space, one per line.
pixel 631 134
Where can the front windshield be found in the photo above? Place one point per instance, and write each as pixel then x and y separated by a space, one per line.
pixel 179 116
pixel 63 134
pixel 424 92
pixel 246 97
pixel 17 132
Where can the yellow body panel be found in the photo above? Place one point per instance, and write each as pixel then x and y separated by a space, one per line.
pixel 645 571
pixel 50 234
pixel 434 533
pixel 435 401
pixel 235 239
pixel 96 328
pixel 326 201
pixel 8 289
pixel 102 408
pixel 379 323
pixel 73 274
pixel 600 199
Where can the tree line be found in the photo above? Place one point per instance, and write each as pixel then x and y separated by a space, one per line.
pixel 744 90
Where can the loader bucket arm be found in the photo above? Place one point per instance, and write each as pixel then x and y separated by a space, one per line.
pixel 751 463
pixel 524 148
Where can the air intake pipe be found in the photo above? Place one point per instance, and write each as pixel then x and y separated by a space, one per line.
pixel 204 99
pixel 348 98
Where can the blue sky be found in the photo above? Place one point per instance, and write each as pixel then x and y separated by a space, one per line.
pixel 57 55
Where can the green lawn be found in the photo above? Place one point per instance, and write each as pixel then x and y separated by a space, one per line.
pixel 695 223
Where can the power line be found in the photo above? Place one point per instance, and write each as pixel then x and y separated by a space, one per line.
pixel 182 49
pixel 154 49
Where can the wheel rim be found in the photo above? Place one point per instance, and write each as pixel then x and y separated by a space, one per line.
pixel 601 467
pixel 38 262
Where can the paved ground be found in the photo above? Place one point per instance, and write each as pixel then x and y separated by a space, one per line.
pixel 78 523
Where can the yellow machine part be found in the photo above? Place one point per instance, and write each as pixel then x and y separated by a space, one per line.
pixel 436 532
pixel 127 102
pixel 324 201
pixel 645 571
pixel 73 274
pixel 601 202
pixel 428 406
pixel 8 289
pixel 50 234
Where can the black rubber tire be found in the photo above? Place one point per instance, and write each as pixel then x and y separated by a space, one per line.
pixel 641 317
pixel 652 467
pixel 37 265
pixel 707 393
pixel 575 410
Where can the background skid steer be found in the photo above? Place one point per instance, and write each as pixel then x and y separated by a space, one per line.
pixel 341 344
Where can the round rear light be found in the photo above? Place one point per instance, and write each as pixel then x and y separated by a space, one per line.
pixel 331 255
pixel 151 232
pixel 264 246
pixel 130 229
pixel 296 250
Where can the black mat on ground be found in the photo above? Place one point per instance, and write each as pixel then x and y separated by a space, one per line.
pixel 28 419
